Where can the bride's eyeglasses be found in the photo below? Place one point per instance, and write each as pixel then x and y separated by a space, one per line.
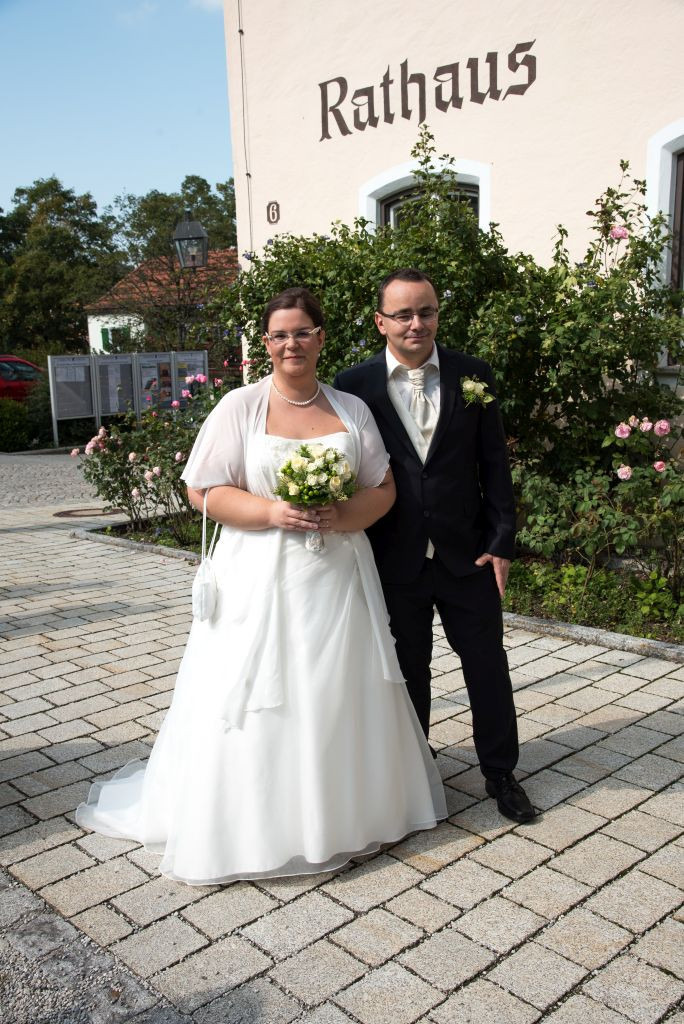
pixel 302 336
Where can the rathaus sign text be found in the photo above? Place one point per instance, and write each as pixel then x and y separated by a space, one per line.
pixel 405 93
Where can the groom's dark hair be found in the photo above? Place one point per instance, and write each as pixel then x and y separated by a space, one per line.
pixel 405 274
pixel 294 298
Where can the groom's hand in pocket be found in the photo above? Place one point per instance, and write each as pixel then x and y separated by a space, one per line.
pixel 501 568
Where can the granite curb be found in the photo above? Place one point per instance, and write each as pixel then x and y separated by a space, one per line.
pixel 549 627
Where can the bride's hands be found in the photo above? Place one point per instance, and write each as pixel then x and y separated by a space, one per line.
pixel 286 516
pixel 330 519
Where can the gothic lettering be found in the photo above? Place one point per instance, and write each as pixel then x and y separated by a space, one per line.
pixel 387 114
pixel 407 80
pixel 493 91
pixel 529 63
pixel 364 99
pixel 328 108
pixel 343 112
pixel 447 73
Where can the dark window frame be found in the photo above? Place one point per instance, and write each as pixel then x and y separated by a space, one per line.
pixel 391 204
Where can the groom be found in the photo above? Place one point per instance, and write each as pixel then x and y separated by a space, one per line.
pixel 448 540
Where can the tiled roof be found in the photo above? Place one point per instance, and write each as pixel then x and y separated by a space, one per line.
pixel 161 282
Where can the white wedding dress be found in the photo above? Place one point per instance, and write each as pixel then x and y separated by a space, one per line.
pixel 291 744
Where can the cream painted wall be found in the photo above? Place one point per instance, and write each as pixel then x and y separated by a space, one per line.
pixel 608 80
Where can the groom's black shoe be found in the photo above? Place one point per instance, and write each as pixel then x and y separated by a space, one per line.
pixel 511 798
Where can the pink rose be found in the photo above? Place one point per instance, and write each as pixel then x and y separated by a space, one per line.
pixel 154 414
pixel 149 475
pixel 624 472
pixel 633 421
pixel 185 393
pixel 659 466
pixel 74 452
pixel 132 456
pixel 175 404
pixel 157 470
pixel 662 428
pixel 179 456
pixel 218 382
pixel 645 426
pixel 190 379
pixel 622 430
pixel 225 364
pixel 201 378
pixel 102 432
pixel 619 231
pixel 90 448
pixel 148 398
pixel 135 493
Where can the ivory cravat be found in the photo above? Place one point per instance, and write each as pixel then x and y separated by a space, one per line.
pixel 421 408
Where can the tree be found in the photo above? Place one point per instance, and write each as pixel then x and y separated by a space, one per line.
pixel 56 254
pixel 145 224
pixel 172 303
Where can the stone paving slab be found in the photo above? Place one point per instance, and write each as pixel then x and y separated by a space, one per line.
pixel 574 917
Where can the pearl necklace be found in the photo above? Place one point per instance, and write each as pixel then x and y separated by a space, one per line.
pixel 291 401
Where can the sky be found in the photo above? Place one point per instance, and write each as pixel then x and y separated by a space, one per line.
pixel 112 96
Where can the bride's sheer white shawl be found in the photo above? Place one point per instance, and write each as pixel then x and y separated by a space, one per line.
pixel 219 454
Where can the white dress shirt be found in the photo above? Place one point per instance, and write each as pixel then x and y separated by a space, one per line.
pixel 398 373
pixel 399 389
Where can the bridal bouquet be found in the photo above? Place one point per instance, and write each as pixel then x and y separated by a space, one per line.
pixel 315 475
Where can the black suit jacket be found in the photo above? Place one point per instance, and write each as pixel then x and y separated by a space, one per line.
pixel 462 497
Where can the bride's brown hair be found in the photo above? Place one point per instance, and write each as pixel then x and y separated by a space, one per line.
pixel 294 298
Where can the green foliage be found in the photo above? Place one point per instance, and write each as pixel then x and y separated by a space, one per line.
pixel 623 602
pixel 173 303
pixel 14 428
pixel 576 346
pixel 582 519
pixel 653 597
pixel 56 255
pixel 145 224
pixel 39 414
pixel 137 467
pixel 594 517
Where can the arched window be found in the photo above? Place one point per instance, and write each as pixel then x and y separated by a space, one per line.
pixel 381 198
pixel 391 207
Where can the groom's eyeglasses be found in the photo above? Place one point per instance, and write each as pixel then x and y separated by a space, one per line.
pixel 428 314
pixel 280 337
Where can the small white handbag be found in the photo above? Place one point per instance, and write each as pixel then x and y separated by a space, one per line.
pixel 204 586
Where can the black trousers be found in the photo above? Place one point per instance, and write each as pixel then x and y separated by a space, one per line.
pixel 470 609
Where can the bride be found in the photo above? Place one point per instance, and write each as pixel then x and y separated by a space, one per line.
pixel 291 744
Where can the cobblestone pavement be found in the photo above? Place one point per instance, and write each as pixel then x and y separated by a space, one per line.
pixel 30 480
pixel 576 917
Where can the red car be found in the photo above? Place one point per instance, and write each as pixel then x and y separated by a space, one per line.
pixel 17 377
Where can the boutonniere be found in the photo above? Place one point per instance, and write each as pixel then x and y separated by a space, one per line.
pixel 475 391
